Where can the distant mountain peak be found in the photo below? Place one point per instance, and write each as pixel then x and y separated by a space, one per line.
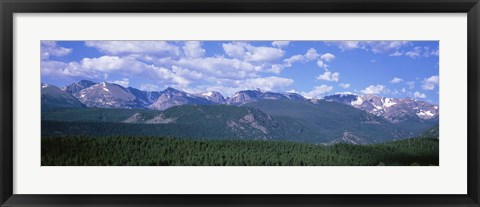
pixel 172 97
pixel 393 109
pixel 109 95
pixel 76 87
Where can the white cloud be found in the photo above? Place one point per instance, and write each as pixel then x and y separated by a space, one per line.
pixel 229 87
pixel 373 46
pixel 103 63
pixel 396 80
pixel 322 64
pixel 250 53
pixel 329 76
pixel 186 73
pixel 149 87
pixel 317 91
pixel 419 95
pixel 271 83
pixel 169 70
pixel 97 68
pixel 73 69
pixel 344 85
pixel 374 89
pixel 280 44
pixel 346 45
pixel 124 82
pixel 411 84
pixel 430 83
pixel 403 90
pixel 296 58
pixel 414 53
pixel 139 47
pixel 276 68
pixel 235 49
pixel 263 54
pixel 385 46
pixel 419 52
pixel 220 67
pixel 193 49
pixel 396 54
pixel 311 54
pixel 327 57
pixel 50 48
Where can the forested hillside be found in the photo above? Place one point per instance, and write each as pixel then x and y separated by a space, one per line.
pixel 145 151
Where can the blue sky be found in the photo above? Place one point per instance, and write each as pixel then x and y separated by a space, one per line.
pixel 311 68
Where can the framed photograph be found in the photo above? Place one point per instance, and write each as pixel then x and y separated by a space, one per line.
pixel 232 103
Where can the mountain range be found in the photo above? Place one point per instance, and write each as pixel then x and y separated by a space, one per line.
pixel 248 114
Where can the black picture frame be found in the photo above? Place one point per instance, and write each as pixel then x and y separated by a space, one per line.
pixel 10 7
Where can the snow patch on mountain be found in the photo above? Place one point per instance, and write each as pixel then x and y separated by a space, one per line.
pixel 389 102
pixel 393 109
pixel 358 101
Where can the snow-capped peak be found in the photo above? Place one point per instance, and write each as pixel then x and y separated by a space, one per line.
pixel 209 94
pixel 389 102
pixel 359 101
pixel 392 109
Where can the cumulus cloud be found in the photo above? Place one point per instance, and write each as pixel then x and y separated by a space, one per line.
pixel 229 87
pixel 430 83
pixel 373 46
pixel 311 54
pixel 50 48
pixel 221 67
pixel 280 44
pixel 419 52
pixel 374 89
pixel 193 49
pixel 344 85
pixel 235 49
pixel 139 47
pixel 176 64
pixel 263 54
pixel 124 82
pixel 250 53
pixel 317 92
pixel 271 83
pixel 97 68
pixel 327 57
pixel 104 63
pixel 385 46
pixel 414 53
pixel 72 69
pixel 396 80
pixel 346 45
pixel 396 54
pixel 329 76
pixel 322 64
pixel 419 95
pixel 296 58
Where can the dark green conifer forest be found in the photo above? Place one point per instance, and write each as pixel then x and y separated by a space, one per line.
pixel 162 151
